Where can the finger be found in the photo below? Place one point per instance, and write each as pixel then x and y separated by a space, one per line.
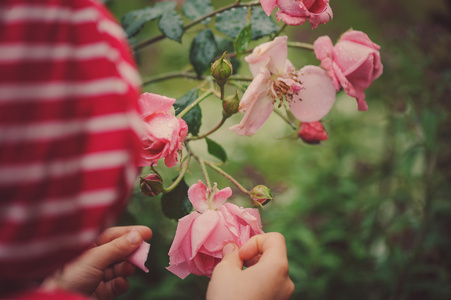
pixel 112 288
pixel 114 232
pixel 103 256
pixel 271 246
pixel 230 260
pixel 122 269
pixel 252 261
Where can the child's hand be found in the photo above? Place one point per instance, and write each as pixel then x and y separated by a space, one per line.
pixel 102 270
pixel 266 277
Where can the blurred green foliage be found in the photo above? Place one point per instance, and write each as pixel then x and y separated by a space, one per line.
pixel 367 214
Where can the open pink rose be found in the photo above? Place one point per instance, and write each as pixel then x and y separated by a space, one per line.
pixel 163 132
pixel 201 235
pixel 275 79
pixel 296 12
pixel 353 63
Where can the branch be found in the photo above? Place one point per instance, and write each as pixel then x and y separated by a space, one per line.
pixel 208 133
pixel 179 178
pixel 192 105
pixel 162 36
pixel 229 177
pixel 305 46
pixel 171 75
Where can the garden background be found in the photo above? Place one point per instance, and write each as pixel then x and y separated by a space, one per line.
pixel 366 214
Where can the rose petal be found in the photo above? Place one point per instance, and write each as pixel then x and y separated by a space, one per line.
pixel 197 195
pixel 150 103
pixel 316 98
pixel 139 256
pixel 257 105
pixel 268 6
pixel 271 55
pixel 220 197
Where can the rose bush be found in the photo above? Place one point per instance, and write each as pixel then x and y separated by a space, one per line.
pixel 163 132
pixel 303 95
pixel 353 63
pixel 201 235
pixel 297 12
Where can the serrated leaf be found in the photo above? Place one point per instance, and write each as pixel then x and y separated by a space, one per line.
pixel 203 50
pixel 243 39
pixel 233 20
pixel 194 117
pixel 133 21
pixel 175 204
pixel 194 9
pixel 171 25
pixel 216 150
pixel 226 44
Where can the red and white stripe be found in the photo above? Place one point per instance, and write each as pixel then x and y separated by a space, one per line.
pixel 68 131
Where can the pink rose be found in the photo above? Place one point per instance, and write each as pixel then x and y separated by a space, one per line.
pixel 163 132
pixel 296 12
pixel 312 133
pixel 276 80
pixel 353 63
pixel 201 235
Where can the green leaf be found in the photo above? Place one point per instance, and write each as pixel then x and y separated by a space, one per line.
pixel 232 21
pixel 171 25
pixel 216 150
pixel 195 9
pixel 194 117
pixel 134 20
pixel 202 51
pixel 175 204
pixel 243 39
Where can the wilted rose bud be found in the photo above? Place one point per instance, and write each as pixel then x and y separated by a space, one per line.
pixel 221 70
pixel 151 185
pixel 230 105
pixel 260 195
pixel 312 132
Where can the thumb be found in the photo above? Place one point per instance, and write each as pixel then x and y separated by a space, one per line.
pixel 231 256
pixel 118 249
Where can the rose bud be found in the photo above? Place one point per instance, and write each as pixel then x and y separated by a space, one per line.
pixel 230 105
pixel 312 132
pixel 151 185
pixel 221 70
pixel 260 195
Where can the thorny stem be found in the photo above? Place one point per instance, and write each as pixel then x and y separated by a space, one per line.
pixel 179 178
pixel 192 105
pixel 208 133
pixel 204 171
pixel 226 175
pixel 201 164
pixel 282 28
pixel 300 45
pixel 221 88
pixel 162 36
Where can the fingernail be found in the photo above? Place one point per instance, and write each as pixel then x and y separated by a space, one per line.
pixel 133 237
pixel 229 248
